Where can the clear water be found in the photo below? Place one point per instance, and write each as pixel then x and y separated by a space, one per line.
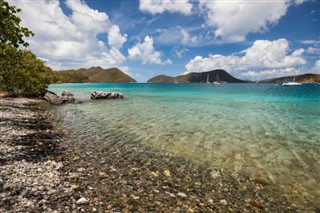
pixel 265 132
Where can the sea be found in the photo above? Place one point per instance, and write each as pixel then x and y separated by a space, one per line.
pixel 264 131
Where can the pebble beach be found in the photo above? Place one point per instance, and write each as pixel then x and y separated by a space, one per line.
pixel 43 170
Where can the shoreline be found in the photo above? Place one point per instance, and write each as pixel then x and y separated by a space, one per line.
pixel 43 169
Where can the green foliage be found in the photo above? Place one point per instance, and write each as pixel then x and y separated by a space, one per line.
pixel 20 70
pixel 10 30
pixel 70 77
pixel 22 73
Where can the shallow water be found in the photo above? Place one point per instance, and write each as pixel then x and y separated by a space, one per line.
pixel 265 132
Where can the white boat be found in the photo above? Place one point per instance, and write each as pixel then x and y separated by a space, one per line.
pixel 293 83
pixel 216 82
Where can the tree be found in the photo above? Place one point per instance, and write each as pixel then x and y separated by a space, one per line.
pixel 22 73
pixel 10 30
pixel 20 70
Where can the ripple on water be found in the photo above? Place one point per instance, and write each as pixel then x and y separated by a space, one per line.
pixel 271 139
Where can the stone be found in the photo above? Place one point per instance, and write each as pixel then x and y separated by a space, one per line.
pixel 65 93
pixel 53 98
pixel 66 97
pixel 106 95
pixel 167 173
pixel 223 202
pixel 181 194
pixel 82 201
pixel 81 169
pixel 73 187
pixel 76 158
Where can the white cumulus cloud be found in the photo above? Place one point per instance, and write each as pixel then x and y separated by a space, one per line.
pixel 262 55
pixel 115 39
pixel 70 41
pixel 316 68
pixel 160 6
pixel 233 20
pixel 146 53
pixel 270 73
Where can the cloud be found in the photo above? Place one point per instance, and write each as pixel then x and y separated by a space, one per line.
pixel 297 2
pixel 313 50
pixel 115 38
pixel 269 73
pixel 70 41
pixel 233 20
pixel 312 42
pixel 316 68
pixel 179 51
pixel 263 54
pixel 146 53
pixel 161 6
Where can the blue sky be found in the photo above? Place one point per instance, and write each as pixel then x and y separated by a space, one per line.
pixel 250 39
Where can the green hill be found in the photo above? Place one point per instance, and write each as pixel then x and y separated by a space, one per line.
pixel 197 77
pixel 93 74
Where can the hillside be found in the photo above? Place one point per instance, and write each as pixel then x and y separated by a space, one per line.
pixel 197 77
pixel 93 74
pixel 305 78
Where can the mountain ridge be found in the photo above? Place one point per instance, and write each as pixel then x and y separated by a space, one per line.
pixel 197 77
pixel 303 78
pixel 92 75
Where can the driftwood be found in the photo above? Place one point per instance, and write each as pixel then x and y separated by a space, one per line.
pixel 106 95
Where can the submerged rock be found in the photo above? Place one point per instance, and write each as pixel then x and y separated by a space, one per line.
pixel 106 95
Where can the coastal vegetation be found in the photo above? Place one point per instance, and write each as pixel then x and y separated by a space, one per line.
pixel 21 72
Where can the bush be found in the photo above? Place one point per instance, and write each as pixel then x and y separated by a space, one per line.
pixel 22 73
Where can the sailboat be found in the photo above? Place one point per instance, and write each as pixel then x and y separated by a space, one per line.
pixel 293 83
pixel 208 82
pixel 216 82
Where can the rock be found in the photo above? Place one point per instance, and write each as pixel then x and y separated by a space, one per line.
pixel 73 187
pixel 81 169
pixel 167 173
pixel 82 201
pixel 106 95
pixel 223 202
pixel 76 158
pixel 53 98
pixel 254 203
pixel 66 97
pixel 181 194
pixel 154 174
pixel 65 93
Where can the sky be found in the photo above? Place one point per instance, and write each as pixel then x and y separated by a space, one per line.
pixel 250 39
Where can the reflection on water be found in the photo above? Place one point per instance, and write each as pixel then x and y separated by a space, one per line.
pixel 268 134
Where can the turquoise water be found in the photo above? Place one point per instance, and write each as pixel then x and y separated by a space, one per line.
pixel 265 132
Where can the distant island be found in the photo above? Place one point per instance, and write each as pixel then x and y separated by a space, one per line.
pixel 305 78
pixel 115 75
pixel 224 76
pixel 201 77
pixel 92 75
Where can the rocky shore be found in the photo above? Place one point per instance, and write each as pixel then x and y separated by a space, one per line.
pixel 43 169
